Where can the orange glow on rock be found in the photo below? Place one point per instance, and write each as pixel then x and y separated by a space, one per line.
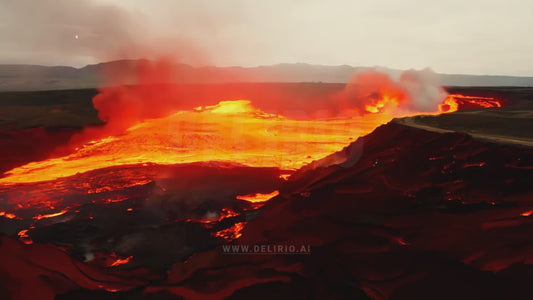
pixel 121 261
pixel 224 213
pixel 39 217
pixel 254 198
pixel 7 215
pixel 455 102
pixel 285 176
pixel 24 237
pixel 527 213
pixel 449 105
pixel 231 233
pixel 476 164
pixel 382 104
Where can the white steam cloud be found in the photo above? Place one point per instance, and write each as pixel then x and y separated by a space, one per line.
pixel 423 88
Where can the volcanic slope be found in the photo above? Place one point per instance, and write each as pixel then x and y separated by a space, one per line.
pixel 409 214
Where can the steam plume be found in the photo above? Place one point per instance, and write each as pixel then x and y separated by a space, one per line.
pixel 373 91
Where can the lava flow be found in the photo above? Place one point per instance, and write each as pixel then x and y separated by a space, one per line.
pixel 456 102
pixel 231 131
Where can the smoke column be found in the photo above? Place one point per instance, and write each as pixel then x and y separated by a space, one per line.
pixel 375 92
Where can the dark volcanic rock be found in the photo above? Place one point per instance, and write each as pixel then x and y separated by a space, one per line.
pixel 409 214
pixel 417 216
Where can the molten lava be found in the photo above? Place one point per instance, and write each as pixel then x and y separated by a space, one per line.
pixel 232 131
pixel 258 200
pixel 382 104
pixel 456 102
pixel 231 233
pixel 39 217
pixel 121 261
pixel 24 237
pixel 449 105
pixel 527 213
pixel 258 197
pixel 7 215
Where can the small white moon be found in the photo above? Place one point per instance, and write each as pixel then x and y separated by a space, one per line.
pixel 76 36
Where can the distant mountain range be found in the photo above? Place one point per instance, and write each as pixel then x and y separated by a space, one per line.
pixel 32 77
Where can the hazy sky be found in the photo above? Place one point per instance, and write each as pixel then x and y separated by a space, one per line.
pixel 479 37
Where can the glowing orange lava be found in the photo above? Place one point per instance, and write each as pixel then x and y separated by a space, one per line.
pixel 121 261
pixel 382 104
pixel 449 105
pixel 224 213
pixel 258 197
pixel 232 131
pixel 231 233
pixel 527 213
pixel 7 215
pixel 453 102
pixel 24 237
pixel 39 217
pixel 285 176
